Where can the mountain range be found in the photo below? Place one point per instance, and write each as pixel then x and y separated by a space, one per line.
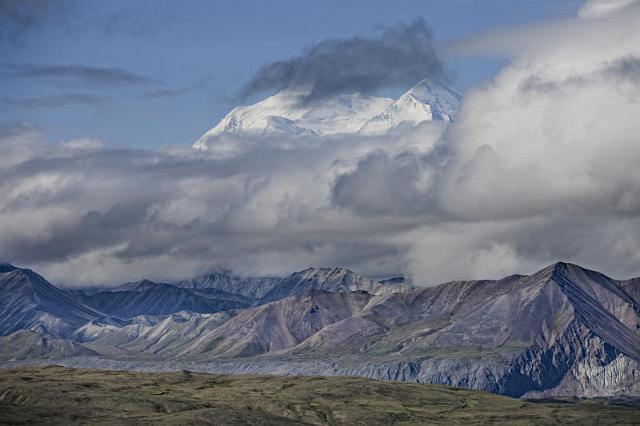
pixel 564 330
pixel 287 114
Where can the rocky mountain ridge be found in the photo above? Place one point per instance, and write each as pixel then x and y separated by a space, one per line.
pixel 564 330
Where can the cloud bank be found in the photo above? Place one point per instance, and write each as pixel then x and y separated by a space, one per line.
pixel 542 164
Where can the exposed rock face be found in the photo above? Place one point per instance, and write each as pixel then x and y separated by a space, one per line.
pixel 263 290
pixel 632 287
pixel 25 344
pixel 29 302
pixel 253 288
pixel 335 280
pixel 564 330
pixel 276 326
pixel 148 298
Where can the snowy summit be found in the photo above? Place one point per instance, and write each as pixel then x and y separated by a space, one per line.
pixel 285 114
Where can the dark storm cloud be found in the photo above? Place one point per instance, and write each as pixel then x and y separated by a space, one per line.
pixel 381 185
pixel 53 101
pixel 627 69
pixel 622 70
pixel 78 72
pixel 404 184
pixel 401 55
pixel 125 217
pixel 94 229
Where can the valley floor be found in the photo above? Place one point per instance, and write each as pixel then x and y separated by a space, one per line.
pixel 59 395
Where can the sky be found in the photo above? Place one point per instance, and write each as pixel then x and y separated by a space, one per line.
pixel 194 56
pixel 101 102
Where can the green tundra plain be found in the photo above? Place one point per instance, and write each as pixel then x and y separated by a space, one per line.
pixel 58 395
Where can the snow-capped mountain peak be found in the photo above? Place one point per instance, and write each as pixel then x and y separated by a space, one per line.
pixel 287 114
pixel 425 101
pixel 443 100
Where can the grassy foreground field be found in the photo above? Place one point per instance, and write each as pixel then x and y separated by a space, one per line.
pixel 57 395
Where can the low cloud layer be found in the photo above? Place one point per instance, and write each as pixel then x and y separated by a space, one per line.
pixel 400 56
pixel 81 73
pixel 541 164
pixel 53 101
pixel 93 83
pixel 60 77
pixel 167 215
